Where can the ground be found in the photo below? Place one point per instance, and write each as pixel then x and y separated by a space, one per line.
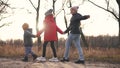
pixel 17 63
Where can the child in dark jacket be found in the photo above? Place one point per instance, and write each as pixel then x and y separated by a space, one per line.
pixel 28 43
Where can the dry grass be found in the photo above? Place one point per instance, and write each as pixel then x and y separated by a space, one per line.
pixel 101 48
pixel 103 54
pixel 92 54
pixel 11 51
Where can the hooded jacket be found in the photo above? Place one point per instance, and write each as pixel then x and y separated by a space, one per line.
pixel 28 38
pixel 50 29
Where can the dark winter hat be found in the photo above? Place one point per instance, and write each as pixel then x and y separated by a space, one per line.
pixel 48 12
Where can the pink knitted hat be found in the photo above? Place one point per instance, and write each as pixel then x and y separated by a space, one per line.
pixel 75 8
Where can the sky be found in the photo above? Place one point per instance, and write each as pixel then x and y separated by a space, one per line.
pixel 100 22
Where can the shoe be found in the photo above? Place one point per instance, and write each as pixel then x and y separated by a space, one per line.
pixel 63 60
pixel 25 59
pixel 80 62
pixel 53 59
pixel 34 56
pixel 42 59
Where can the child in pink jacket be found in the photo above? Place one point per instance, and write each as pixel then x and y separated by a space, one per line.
pixel 50 35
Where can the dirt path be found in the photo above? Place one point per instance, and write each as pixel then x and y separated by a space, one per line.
pixel 17 63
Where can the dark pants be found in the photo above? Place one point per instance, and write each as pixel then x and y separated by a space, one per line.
pixel 52 46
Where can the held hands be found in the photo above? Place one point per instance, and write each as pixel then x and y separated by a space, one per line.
pixel 38 34
pixel 64 32
pixel 35 36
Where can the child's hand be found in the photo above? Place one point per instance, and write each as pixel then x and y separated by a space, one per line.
pixel 36 36
pixel 64 32
pixel 39 33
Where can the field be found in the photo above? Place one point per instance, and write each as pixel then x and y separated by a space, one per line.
pixel 102 51
pixel 17 63
pixel 91 54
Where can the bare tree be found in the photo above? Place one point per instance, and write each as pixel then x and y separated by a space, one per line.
pixel 3 6
pixel 37 9
pixel 54 6
pixel 118 2
pixel 65 2
pixel 117 17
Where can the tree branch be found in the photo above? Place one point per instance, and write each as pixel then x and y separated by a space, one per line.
pixel 70 3
pixel 63 5
pixel 105 10
pixel 107 1
pixel 118 1
pixel 32 4
pixel 1 10
pixel 3 5
pixel 55 0
pixel 5 24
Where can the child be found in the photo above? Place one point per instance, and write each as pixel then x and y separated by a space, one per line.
pixel 28 42
pixel 50 35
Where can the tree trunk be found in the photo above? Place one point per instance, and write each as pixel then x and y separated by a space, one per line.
pixel 118 1
pixel 65 20
pixel 54 7
pixel 56 42
pixel 119 25
pixel 37 21
pixel 83 38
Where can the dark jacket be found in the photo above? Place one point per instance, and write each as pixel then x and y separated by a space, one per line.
pixel 75 23
pixel 28 38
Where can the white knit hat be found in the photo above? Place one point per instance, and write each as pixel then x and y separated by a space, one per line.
pixel 75 8
pixel 48 12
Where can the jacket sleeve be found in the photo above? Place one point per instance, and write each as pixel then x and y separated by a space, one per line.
pixel 29 34
pixel 84 17
pixel 39 32
pixel 80 17
pixel 59 30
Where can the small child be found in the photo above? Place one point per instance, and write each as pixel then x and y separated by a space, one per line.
pixel 28 43
pixel 50 35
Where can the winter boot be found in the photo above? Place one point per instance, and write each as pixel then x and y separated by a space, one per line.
pixel 25 59
pixel 65 60
pixel 80 62
pixel 34 56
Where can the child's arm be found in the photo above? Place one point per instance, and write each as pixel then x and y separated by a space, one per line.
pixel 59 30
pixel 30 34
pixel 39 33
